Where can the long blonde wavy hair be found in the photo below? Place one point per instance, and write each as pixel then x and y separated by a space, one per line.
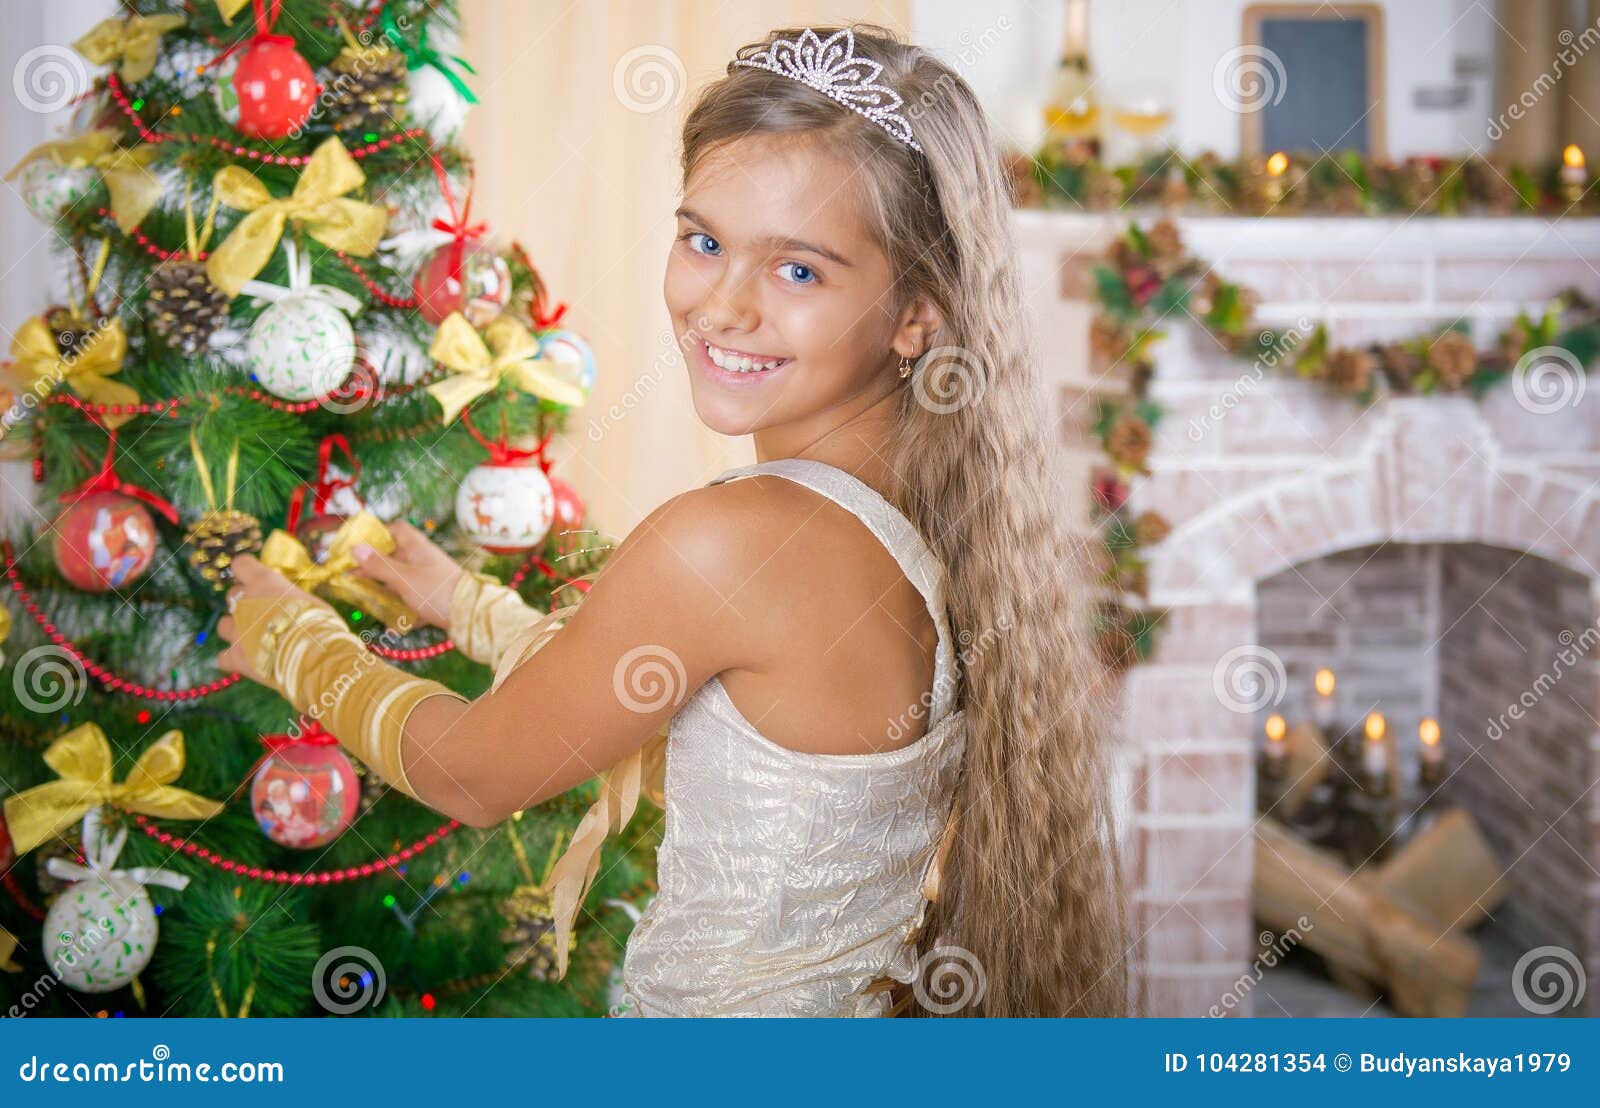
pixel 1031 890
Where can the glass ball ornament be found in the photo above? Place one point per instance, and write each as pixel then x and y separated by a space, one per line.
pixel 300 348
pixel 506 507
pixel 103 541
pixel 267 90
pixel 100 933
pixel 46 187
pixel 569 356
pixel 305 795
pixel 478 287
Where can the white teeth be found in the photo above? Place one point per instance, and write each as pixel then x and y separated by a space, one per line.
pixel 738 363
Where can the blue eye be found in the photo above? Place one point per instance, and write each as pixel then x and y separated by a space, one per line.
pixel 710 245
pixel 799 274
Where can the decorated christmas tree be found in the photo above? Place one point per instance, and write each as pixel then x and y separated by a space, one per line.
pixel 280 331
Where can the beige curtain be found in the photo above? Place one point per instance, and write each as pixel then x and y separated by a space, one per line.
pixel 575 140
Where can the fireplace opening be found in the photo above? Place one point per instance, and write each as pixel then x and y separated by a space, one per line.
pixel 1475 666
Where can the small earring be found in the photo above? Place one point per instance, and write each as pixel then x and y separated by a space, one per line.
pixel 905 367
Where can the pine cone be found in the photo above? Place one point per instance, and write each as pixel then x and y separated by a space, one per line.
pixel 530 932
pixel 217 538
pixel 1453 357
pixel 1174 190
pixel 189 308
pixel 69 330
pixel 1128 442
pixel 1349 369
pixel 367 90
pixel 1150 527
pixel 1165 240
pixel 1401 366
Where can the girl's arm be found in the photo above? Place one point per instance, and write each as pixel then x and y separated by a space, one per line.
pixel 659 620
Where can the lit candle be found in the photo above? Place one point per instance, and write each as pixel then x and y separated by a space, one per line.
pixel 1574 173
pixel 1277 166
pixel 1322 709
pixel 1374 755
pixel 1432 762
pixel 1276 749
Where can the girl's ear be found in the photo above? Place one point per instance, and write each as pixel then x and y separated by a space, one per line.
pixel 918 328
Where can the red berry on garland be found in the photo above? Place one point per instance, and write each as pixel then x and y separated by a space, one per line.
pixel 305 794
pixel 102 541
pixel 273 88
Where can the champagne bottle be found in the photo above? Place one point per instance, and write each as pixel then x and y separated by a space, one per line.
pixel 1072 116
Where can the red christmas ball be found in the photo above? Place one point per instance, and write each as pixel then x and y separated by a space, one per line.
pixel 305 795
pixel 476 282
pixel 274 88
pixel 103 541
pixel 8 853
pixel 569 506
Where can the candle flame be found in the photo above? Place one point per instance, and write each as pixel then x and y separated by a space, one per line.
pixel 1572 157
pixel 1428 732
pixel 1376 726
pixel 1276 728
pixel 1324 681
pixel 1278 164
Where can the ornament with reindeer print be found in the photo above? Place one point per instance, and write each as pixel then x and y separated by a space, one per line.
pixel 506 507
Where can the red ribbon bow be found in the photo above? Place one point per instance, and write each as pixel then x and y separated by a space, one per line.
pixel 324 486
pixel 502 453
pixel 458 227
pixel 106 480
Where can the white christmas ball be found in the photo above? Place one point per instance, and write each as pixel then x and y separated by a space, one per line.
pixel 300 348
pixel 506 508
pixel 434 102
pixel 398 358
pixel 100 933
pixel 47 187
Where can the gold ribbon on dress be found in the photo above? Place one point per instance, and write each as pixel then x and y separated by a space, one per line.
pixel 8 946
pixel 506 351
pixel 134 190
pixel 41 366
pixel 317 203
pixel 82 761
pixel 136 40
pixel 642 772
pixel 336 577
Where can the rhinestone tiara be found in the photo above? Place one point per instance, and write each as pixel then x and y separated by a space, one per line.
pixel 832 67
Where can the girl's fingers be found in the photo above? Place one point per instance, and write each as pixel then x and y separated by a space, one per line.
pixel 230 660
pixel 228 629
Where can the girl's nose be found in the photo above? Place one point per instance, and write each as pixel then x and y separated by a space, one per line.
pixel 731 303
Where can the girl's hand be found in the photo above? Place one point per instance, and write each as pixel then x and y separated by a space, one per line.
pixel 423 575
pixel 254 581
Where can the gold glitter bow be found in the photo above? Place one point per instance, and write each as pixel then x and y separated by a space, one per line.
pixel 136 40
pixel 82 761
pixel 317 203
pixel 506 351
pixel 227 9
pixel 133 188
pixel 336 577
pixel 41 365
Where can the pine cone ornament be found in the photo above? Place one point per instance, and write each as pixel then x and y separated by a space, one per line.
pixel 1453 357
pixel 1348 369
pixel 1174 190
pixel 70 330
pixel 1401 366
pixel 530 932
pixel 189 309
pixel 217 538
pixel 1128 442
pixel 1150 527
pixel 1166 241
pixel 367 90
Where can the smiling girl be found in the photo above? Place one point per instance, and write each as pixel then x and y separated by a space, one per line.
pixel 886 766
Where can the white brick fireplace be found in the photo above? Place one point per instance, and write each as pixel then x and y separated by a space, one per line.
pixel 1260 474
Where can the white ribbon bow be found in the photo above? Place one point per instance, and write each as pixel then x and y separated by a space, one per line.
pixel 101 851
pixel 300 285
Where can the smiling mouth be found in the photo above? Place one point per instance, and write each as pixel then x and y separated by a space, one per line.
pixel 739 361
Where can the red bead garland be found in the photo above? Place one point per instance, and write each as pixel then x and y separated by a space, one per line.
pixel 378 294
pixel 14 887
pixel 285 877
pixel 170 405
pixel 412 654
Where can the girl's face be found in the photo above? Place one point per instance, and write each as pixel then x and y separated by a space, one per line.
pixel 782 302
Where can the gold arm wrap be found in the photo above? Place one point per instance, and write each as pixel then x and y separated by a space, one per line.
pixel 486 617
pixel 305 651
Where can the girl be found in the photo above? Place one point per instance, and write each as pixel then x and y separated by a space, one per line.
pixel 849 804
